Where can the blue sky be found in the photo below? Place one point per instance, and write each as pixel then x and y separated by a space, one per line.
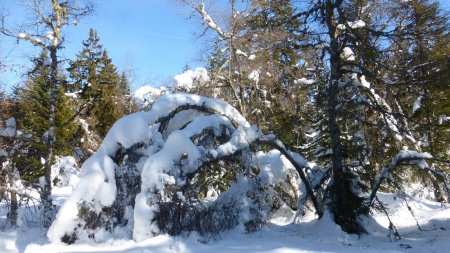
pixel 152 37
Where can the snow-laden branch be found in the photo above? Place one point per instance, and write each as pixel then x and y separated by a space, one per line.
pixel 211 23
pixel 404 156
pixel 298 162
pixel 17 191
pixel 34 40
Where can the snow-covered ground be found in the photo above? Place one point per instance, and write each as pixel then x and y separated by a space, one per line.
pixel 307 235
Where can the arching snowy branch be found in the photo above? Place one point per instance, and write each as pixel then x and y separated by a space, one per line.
pixel 404 156
pixel 152 166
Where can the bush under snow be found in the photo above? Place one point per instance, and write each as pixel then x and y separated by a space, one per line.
pixel 189 164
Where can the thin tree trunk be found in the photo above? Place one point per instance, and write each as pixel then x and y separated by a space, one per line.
pixel 48 208
pixel 13 212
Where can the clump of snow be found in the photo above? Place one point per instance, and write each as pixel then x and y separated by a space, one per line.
pixel 49 35
pixel 65 172
pixel 71 95
pixel 347 54
pixel 443 118
pixel 356 24
pixel 352 24
pixel 191 78
pixel 146 95
pixel 254 76
pixel 340 27
pixel 239 52
pixel 364 82
pixel 10 130
pixel 304 81
pixel 417 104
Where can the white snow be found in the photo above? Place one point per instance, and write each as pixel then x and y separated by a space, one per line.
pixel 306 235
pixel 71 95
pixel 23 35
pixel 340 27
pixel 364 82
pixel 239 52
pixel 443 118
pixel 347 54
pixel 65 172
pixel 304 81
pixel 417 104
pixel 254 76
pixel 146 95
pixel 191 78
pixel 352 24
pixel 356 24
pixel 49 35
pixel 10 130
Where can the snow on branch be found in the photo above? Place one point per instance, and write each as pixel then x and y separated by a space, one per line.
pixel 403 157
pixel 34 40
pixel 210 22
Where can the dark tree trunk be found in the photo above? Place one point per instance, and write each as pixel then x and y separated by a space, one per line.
pixel 343 202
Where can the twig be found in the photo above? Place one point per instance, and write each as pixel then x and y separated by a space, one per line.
pixel 392 228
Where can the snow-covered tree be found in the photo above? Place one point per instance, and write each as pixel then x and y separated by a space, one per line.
pixel 96 85
pixel 151 180
pixel 361 124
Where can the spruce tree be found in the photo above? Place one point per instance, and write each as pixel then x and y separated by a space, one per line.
pixel 33 117
pixel 99 86
pixel 110 105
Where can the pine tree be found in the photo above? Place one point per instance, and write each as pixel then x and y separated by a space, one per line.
pixel 34 109
pixel 99 85
pixel 110 105
pixel 84 70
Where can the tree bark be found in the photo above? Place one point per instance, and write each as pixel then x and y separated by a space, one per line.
pixel 343 201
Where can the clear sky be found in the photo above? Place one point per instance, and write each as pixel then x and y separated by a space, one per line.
pixel 154 38
pixel 151 37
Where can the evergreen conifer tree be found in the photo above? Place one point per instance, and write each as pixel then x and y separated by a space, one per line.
pixel 33 117
pixel 100 87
